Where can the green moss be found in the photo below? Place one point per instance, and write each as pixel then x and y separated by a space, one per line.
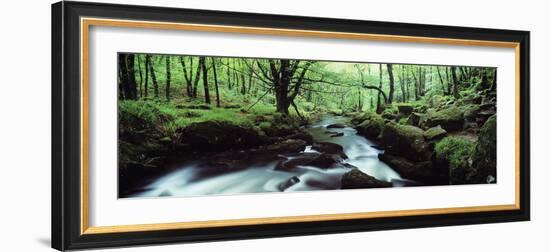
pixel 456 150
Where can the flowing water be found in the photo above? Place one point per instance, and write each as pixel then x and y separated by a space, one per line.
pixel 262 177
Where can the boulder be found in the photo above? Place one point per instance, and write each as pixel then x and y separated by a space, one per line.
pixel 470 112
pixel 451 119
pixel 423 171
pixel 337 134
pixel 405 109
pixel 484 157
pixel 326 161
pixel 218 135
pixel 405 140
pixel 415 119
pixel 434 133
pixel 329 148
pixel 288 183
pixel 293 163
pixel 336 126
pixel 287 146
pixel 371 127
pixel 454 152
pixel 356 179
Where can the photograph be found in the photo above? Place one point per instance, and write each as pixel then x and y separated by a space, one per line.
pixel 197 125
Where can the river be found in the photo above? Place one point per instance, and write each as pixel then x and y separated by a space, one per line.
pixel 184 181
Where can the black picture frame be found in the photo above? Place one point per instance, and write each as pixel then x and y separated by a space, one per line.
pixel 66 142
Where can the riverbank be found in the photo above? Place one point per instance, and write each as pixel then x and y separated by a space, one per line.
pixel 192 147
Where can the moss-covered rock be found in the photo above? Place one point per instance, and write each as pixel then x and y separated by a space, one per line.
pixel 371 127
pixel 470 112
pixel 434 133
pixel 405 109
pixel 422 171
pixel 218 135
pixel 405 140
pixel 451 119
pixel 455 152
pixel 484 157
pixel 356 179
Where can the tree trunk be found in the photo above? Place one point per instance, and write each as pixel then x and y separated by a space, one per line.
pixel 140 77
pixel 441 81
pixel 455 82
pixel 154 79
pixel 402 84
pixel 168 78
pixel 202 63
pixel 124 89
pixel 128 76
pixel 188 77
pixel 378 104
pixel 281 82
pixel 196 81
pixel 216 82
pixel 146 86
pixel 390 74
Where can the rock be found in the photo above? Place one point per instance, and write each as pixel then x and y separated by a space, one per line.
pixel 377 147
pixel 484 157
pixel 291 164
pixel 356 179
pixel 371 127
pixel 336 126
pixel 337 134
pixel 287 146
pixel 451 119
pixel 330 148
pixel 165 193
pixel 484 115
pixel 326 161
pixel 405 109
pixel 218 135
pixel 422 171
pixel 435 133
pixel 454 152
pixel 470 112
pixel 415 119
pixel 488 105
pixel 405 140
pixel 388 115
pixel 288 183
pixel 302 135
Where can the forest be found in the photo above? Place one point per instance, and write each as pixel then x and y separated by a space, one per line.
pixel 215 125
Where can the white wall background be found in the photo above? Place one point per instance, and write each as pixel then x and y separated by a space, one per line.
pixel 25 125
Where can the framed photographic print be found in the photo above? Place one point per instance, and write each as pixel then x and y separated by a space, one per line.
pixel 180 125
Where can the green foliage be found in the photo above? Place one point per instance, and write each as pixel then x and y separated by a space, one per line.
pixel 457 150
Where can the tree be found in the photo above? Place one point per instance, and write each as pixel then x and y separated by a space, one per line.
pixel 154 78
pixel 140 76
pixel 188 77
pixel 284 79
pixel 168 78
pixel 127 76
pixel 378 105
pixel 202 63
pixel 216 82
pixel 455 82
pixel 197 77
pixel 390 74
pixel 146 86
